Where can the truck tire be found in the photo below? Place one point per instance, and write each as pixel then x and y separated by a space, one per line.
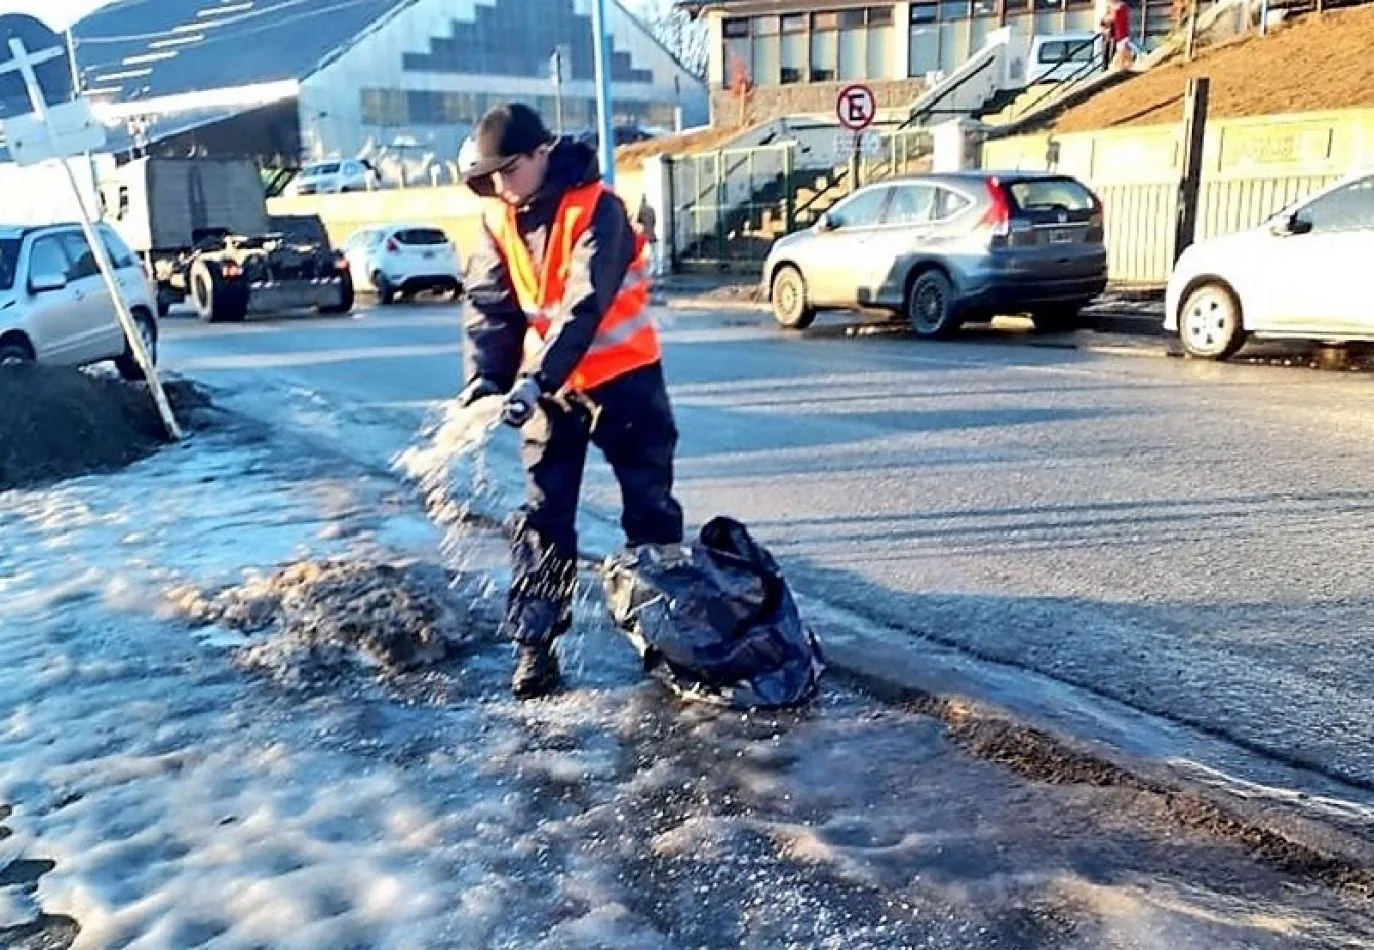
pixel 345 303
pixel 216 299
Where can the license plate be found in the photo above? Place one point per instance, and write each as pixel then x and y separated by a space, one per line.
pixel 429 255
pixel 1062 236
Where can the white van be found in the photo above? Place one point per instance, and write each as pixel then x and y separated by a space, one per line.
pixel 1063 57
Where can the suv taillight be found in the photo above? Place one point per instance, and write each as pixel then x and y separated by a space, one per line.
pixel 997 219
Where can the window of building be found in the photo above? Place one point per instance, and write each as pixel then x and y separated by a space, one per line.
pixel 925 11
pixel 384 107
pixel 794 61
pixel 737 60
pixel 853 44
pixel 881 38
pixel 767 65
pixel 985 7
pixel 825 48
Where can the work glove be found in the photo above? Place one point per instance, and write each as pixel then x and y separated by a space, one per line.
pixel 521 402
pixel 479 388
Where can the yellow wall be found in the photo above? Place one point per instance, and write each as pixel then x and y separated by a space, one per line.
pixel 1312 143
pixel 1252 169
pixel 455 209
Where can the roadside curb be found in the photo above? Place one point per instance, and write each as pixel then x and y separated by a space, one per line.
pixel 919 676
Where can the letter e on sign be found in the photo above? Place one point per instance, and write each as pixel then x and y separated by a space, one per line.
pixel 856 108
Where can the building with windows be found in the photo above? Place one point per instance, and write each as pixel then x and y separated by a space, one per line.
pixel 287 81
pixel 794 55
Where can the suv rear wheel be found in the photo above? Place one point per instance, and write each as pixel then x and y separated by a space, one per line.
pixel 930 309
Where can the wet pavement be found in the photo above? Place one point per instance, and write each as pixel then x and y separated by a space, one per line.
pixel 1188 539
pixel 162 793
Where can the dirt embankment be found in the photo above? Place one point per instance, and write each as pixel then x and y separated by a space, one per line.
pixel 1318 63
pixel 57 422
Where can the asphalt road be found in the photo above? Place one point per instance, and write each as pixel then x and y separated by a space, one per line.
pixel 1191 539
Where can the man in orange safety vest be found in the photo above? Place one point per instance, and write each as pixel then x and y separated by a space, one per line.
pixel 557 320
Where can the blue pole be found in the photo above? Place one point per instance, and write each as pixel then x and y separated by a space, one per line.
pixel 605 133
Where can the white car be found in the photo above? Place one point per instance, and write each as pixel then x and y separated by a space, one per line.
pixel 1298 276
pixel 334 178
pixel 404 259
pixel 54 305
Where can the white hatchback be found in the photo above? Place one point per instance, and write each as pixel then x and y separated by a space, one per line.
pixel 404 260
pixel 1298 276
pixel 54 305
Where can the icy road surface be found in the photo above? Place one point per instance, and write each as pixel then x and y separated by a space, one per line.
pixel 160 795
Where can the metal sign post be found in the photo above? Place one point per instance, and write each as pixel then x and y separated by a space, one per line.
pixel 856 108
pixel 24 64
pixel 556 72
pixel 601 45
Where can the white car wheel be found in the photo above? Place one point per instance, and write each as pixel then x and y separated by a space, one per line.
pixel 1209 323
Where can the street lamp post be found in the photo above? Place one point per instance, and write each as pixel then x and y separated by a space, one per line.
pixel 605 132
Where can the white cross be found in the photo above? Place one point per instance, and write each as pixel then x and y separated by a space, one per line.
pixel 23 64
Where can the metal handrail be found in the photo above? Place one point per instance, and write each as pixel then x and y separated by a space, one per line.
pixel 1088 68
pixel 929 109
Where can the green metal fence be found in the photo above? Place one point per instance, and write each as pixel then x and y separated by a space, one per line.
pixel 729 206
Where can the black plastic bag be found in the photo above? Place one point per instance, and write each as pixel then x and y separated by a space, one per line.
pixel 718 625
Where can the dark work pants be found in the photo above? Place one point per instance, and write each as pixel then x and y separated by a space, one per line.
pixel 631 421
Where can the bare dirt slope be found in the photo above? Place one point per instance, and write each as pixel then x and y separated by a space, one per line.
pixel 1318 63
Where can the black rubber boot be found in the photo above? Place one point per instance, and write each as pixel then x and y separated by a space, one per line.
pixel 536 671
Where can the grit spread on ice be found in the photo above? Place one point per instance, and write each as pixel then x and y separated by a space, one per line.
pixel 164 796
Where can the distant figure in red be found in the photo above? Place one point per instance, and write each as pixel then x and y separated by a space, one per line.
pixel 1117 28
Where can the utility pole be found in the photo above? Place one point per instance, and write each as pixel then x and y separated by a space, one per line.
pixel 1190 184
pixel 77 91
pixel 605 131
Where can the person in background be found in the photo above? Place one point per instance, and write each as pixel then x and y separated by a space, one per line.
pixel 1123 50
pixel 646 221
pixel 1104 11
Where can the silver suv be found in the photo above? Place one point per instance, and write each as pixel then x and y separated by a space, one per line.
pixel 54 307
pixel 947 249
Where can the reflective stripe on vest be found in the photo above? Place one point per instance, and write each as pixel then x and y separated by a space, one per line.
pixel 626 338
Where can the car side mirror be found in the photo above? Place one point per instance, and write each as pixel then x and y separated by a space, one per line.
pixel 830 222
pixel 42 283
pixel 1293 224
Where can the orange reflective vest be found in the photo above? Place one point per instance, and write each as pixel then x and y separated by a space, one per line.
pixel 625 339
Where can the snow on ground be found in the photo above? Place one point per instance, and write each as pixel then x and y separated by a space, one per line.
pixel 164 795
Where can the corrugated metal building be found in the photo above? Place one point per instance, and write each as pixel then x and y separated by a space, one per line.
pixel 292 80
